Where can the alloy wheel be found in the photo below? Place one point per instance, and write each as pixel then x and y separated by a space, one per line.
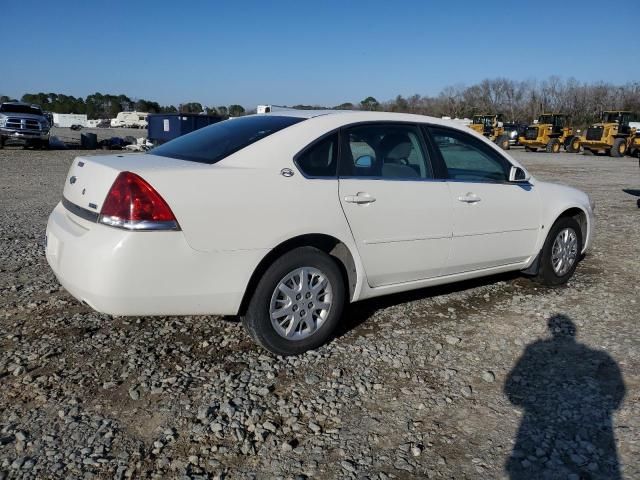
pixel 564 251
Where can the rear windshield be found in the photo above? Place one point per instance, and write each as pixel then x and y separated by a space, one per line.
pixel 215 142
pixel 13 108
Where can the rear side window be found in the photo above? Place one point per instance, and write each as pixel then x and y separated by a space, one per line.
pixel 320 159
pixel 468 159
pixel 215 142
pixel 384 151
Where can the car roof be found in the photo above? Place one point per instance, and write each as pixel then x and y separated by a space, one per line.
pixel 347 116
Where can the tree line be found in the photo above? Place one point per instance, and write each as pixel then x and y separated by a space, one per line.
pixel 519 101
pixel 104 106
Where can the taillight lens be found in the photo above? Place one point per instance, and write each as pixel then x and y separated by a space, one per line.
pixel 133 204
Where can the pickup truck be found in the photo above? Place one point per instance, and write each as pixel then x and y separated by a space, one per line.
pixel 23 123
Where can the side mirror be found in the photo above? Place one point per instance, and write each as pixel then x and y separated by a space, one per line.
pixel 518 175
pixel 365 161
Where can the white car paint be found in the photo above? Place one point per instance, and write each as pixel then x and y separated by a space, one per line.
pixel 233 213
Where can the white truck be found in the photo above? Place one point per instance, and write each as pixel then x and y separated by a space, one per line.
pixel 130 120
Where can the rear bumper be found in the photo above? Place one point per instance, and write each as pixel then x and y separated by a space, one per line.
pixel 119 272
pixel 594 144
pixel 532 143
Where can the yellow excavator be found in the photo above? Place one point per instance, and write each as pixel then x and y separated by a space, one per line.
pixel 491 127
pixel 612 135
pixel 550 133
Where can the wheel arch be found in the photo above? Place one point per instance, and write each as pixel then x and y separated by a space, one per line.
pixel 580 216
pixel 326 243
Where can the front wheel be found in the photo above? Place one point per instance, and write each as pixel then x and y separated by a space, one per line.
pixel 560 253
pixel 553 146
pixel 503 142
pixel 619 147
pixel 297 302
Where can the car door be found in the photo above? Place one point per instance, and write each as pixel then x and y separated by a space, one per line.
pixel 399 216
pixel 495 222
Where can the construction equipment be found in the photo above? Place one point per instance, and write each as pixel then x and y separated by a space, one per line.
pixel 612 135
pixel 491 127
pixel 551 133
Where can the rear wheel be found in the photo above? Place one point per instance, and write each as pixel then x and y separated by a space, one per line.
pixel 553 146
pixel 573 144
pixel 297 303
pixel 619 147
pixel 560 253
pixel 503 142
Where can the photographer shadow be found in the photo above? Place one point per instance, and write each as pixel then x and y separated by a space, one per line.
pixel 568 392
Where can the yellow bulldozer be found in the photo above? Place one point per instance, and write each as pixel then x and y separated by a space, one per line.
pixel 491 127
pixel 612 135
pixel 550 133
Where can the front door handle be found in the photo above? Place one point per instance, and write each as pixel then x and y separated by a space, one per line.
pixel 469 198
pixel 360 198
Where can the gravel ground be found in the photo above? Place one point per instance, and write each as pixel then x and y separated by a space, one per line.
pixel 496 378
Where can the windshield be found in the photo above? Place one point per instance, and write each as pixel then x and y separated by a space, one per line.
pixel 215 142
pixel 483 120
pixel 13 108
pixel 555 120
pixel 615 117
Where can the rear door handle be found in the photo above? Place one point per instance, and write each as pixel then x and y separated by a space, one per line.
pixel 469 198
pixel 360 198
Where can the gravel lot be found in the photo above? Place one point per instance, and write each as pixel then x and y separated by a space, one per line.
pixel 465 381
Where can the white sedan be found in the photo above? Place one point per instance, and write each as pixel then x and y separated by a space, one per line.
pixel 282 218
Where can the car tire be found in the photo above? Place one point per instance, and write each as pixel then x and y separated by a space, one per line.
pixel 619 147
pixel 553 146
pixel 303 326
pixel 565 236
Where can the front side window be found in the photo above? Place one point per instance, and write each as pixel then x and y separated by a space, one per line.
pixel 384 151
pixel 215 142
pixel 320 159
pixel 468 159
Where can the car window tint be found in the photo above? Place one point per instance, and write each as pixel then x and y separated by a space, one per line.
pixel 320 159
pixel 384 151
pixel 215 142
pixel 467 158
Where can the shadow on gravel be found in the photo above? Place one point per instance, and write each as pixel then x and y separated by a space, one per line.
pixel 568 392
pixel 359 312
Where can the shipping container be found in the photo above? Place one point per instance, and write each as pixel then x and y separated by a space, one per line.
pixel 167 126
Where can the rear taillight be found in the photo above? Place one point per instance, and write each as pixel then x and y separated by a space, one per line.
pixel 133 204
